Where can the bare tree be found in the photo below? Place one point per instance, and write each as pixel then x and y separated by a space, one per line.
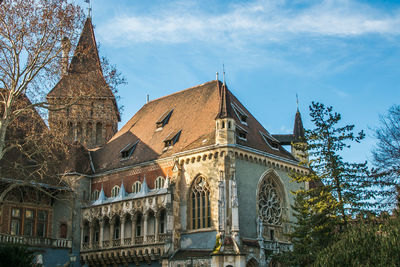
pixel 386 153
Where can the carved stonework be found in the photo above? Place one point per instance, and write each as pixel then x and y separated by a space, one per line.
pixel 269 202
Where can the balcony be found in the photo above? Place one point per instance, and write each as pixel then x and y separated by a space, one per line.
pixel 36 241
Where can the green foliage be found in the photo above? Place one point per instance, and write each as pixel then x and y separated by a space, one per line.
pixel 16 256
pixel 365 243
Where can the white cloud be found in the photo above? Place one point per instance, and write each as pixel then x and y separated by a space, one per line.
pixel 258 20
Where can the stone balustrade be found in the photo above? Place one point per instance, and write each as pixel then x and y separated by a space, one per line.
pixel 36 241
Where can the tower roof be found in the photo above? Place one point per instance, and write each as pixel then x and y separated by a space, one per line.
pixel 86 56
pixel 84 77
pixel 298 130
pixel 224 111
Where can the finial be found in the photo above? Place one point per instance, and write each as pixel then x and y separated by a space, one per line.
pixel 89 8
pixel 217 76
pixel 297 102
pixel 223 69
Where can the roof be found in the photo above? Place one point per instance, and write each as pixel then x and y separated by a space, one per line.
pixel 84 76
pixel 298 129
pixel 195 110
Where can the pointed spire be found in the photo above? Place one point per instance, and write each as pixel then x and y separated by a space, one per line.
pixel 224 110
pixel 86 56
pixel 121 194
pixel 145 188
pixel 298 130
pixel 102 197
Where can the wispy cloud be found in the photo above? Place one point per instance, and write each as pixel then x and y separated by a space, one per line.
pixel 257 20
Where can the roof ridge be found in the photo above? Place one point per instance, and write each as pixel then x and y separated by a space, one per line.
pixel 181 91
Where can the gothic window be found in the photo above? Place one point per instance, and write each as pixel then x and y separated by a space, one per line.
pixel 89 132
pixel 136 187
pixel 115 191
pixel 95 195
pixel 252 263
pixel 79 132
pixel 159 183
pixel 139 225
pixel 99 134
pixel 200 211
pixel 269 202
pixel 162 222
pixel 15 221
pixel 70 131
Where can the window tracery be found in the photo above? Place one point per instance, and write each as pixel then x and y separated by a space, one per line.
pixel 200 209
pixel 269 202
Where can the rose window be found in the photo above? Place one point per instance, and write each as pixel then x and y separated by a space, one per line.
pixel 269 203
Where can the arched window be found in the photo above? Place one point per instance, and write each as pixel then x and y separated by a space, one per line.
pixel 79 132
pixel 99 134
pixel 63 230
pixel 70 131
pixel 89 132
pixel 269 202
pixel 162 222
pixel 200 211
pixel 139 225
pixel 95 194
pixel 115 191
pixel 159 183
pixel 136 187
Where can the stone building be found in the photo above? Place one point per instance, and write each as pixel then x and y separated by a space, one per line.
pixel 192 179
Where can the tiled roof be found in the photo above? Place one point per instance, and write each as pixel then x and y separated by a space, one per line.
pixel 195 111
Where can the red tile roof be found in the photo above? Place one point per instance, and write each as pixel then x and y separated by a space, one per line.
pixel 194 113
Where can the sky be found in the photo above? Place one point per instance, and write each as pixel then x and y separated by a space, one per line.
pixel 342 53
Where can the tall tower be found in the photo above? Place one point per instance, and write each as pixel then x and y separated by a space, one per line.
pixel 224 122
pixel 88 110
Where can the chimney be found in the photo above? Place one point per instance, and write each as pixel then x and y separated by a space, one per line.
pixel 66 47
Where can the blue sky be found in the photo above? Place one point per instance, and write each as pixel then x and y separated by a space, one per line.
pixel 342 53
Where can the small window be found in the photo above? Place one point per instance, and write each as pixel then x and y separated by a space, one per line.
pixel 241 133
pixel 63 230
pixel 271 142
pixel 95 195
pixel 136 187
pixel 15 221
pixel 240 114
pixel 159 182
pixel 172 139
pixel 41 224
pixel 164 119
pixel 127 151
pixel 115 191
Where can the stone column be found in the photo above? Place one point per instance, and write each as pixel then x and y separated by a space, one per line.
pixel 101 238
pixel 122 235
pixel 157 226
pixel 82 234
pixel 145 216
pixel 91 231
pixel 133 231
pixel 111 232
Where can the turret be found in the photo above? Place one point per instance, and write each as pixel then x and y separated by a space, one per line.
pixel 224 122
pixel 298 142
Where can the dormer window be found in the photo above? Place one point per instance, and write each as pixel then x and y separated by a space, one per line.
pixel 164 119
pixel 159 183
pixel 95 195
pixel 127 151
pixel 172 139
pixel 115 191
pixel 136 187
pixel 271 142
pixel 241 133
pixel 242 116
